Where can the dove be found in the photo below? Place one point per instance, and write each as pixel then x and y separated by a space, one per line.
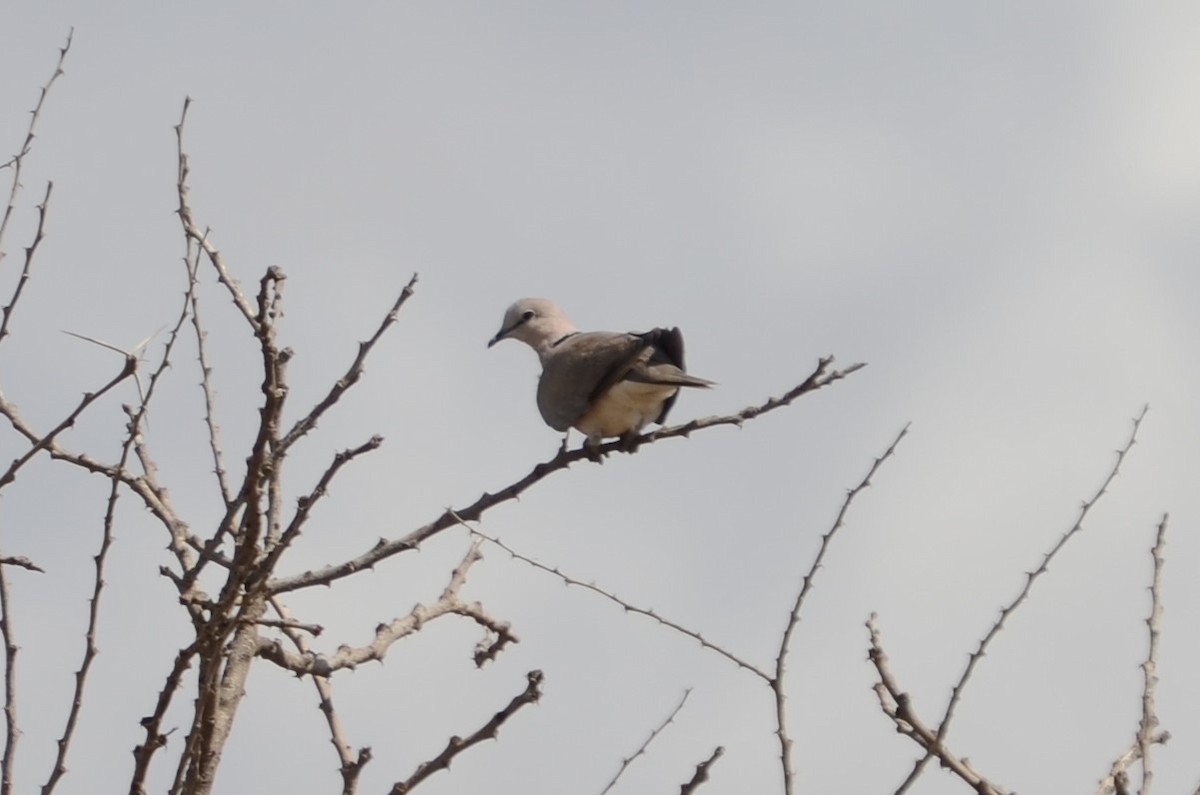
pixel 603 383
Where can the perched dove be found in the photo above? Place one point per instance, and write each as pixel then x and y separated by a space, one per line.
pixel 604 383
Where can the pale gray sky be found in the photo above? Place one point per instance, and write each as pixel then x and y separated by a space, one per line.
pixel 994 207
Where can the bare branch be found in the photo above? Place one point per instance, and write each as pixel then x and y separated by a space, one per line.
pixel 277 546
pixel 131 441
pixel 30 250
pixel 89 638
pixel 11 732
pixel 1117 780
pixel 897 705
pixel 155 738
pixel 449 603
pixel 312 629
pixel 625 763
pixel 18 160
pixel 45 441
pixel 385 548
pixel 1149 722
pixel 192 263
pixel 628 607
pixel 456 745
pixel 22 562
pixel 776 682
pixel 350 766
pixel 1030 578
pixel 200 238
pixel 352 375
pixel 702 772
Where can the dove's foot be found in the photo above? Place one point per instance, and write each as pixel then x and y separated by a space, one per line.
pixel 630 442
pixel 592 448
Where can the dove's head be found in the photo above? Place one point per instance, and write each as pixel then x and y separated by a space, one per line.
pixel 536 322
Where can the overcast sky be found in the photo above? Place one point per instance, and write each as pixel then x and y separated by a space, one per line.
pixel 993 206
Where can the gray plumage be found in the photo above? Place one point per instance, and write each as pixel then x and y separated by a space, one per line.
pixel 603 383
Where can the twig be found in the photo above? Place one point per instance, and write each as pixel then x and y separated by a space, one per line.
pixel 1118 777
pixel 89 638
pixel 776 682
pixel 132 440
pixel 45 441
pixel 1149 720
pixel 449 603
pixel 312 629
pixel 22 562
pixel 625 763
pixel 11 732
pixel 18 160
pixel 456 745
pixel 193 232
pixel 384 549
pixel 627 606
pixel 352 375
pixel 1030 578
pixel 192 263
pixel 304 505
pixel 701 774
pixel 350 766
pixel 30 250
pixel 897 705
pixel 155 738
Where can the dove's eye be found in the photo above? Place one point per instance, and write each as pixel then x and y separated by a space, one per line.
pixel 528 315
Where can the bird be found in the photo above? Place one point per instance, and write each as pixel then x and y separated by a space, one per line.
pixel 603 383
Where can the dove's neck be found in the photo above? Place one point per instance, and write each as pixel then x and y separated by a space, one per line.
pixel 550 332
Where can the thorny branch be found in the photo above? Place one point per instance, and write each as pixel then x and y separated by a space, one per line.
pixel 1149 722
pixel 776 681
pixel 627 606
pixel 352 375
pixel 456 745
pixel 1006 611
pixel 701 774
pixel 350 765
pixel 42 442
pixel 820 377
pixel 131 442
pixel 22 562
pixel 449 603
pixel 1117 780
pixel 897 705
pixel 30 250
pixel 625 763
pixel 11 732
pixel 199 237
pixel 18 160
pixel 192 263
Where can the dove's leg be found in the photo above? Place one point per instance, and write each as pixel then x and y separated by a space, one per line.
pixel 631 441
pixel 592 446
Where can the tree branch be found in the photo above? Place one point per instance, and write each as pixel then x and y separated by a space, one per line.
pixel 18 160
pixel 625 763
pixel 30 250
pixel 352 375
pixel 1149 722
pixel 449 603
pixel 897 705
pixel 628 607
pixel 488 731
pixel 702 772
pixel 385 548
pixel 776 681
pixel 1030 578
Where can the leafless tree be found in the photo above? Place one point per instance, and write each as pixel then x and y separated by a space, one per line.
pixel 227 574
